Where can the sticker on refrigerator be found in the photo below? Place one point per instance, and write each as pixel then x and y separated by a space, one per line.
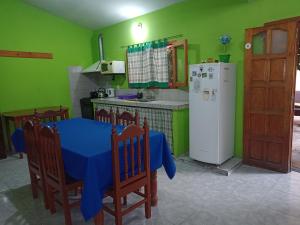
pixel 205 94
pixel 196 86
pixel 213 95
pixel 210 69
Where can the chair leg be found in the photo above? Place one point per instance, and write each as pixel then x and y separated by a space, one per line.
pixel 153 182
pixel 20 155
pixel 34 184
pixel 66 207
pixel 148 201
pixel 118 212
pixel 45 193
pixel 99 219
pixel 51 200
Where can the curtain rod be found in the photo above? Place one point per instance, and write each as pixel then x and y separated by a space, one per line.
pixel 168 38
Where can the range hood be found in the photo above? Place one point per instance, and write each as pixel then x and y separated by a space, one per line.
pixel 105 67
pixel 95 68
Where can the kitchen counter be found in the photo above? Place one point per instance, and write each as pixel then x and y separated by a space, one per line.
pixel 169 117
pixel 159 104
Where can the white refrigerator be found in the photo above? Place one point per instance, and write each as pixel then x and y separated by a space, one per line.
pixel 212 111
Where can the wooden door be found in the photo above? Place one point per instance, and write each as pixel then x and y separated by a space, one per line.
pixel 270 70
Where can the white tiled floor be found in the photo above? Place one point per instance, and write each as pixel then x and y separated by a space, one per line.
pixel 196 196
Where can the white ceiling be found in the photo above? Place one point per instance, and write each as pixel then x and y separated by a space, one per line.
pixel 97 14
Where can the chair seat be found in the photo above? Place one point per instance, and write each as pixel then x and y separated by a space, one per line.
pixel 70 180
pixel 109 192
pixel 72 183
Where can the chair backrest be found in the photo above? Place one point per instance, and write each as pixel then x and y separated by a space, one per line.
pixel 103 116
pixel 127 118
pixel 51 154
pixel 135 158
pixel 31 137
pixel 53 115
pixel 20 121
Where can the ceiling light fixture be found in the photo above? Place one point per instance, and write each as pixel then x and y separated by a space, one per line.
pixel 140 26
pixel 139 32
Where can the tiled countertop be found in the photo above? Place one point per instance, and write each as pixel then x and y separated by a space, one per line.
pixel 159 104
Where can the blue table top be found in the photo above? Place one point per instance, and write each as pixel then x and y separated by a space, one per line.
pixel 86 150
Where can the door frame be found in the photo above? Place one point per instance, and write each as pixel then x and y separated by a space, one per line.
pixel 290 125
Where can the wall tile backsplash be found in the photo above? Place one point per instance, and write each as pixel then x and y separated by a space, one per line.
pixel 158 94
pixel 82 84
pixel 172 94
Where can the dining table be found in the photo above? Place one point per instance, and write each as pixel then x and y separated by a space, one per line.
pixel 87 156
pixel 15 119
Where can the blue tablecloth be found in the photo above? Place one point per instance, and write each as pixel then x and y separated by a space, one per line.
pixel 86 150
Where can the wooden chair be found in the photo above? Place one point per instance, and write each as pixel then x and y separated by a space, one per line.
pixel 103 116
pixel 19 123
pixel 35 163
pixel 56 179
pixel 2 145
pixel 52 115
pixel 127 118
pixel 136 172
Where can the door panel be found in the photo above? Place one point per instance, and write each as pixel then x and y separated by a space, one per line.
pixel 258 98
pixel 270 69
pixel 259 70
pixel 258 150
pixel 276 126
pixel 274 153
pixel 258 119
pixel 275 102
pixel 278 69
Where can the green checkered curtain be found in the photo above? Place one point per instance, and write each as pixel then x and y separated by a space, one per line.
pixel 148 65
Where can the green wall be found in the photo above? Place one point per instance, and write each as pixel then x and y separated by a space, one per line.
pixel 29 83
pixel 202 22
